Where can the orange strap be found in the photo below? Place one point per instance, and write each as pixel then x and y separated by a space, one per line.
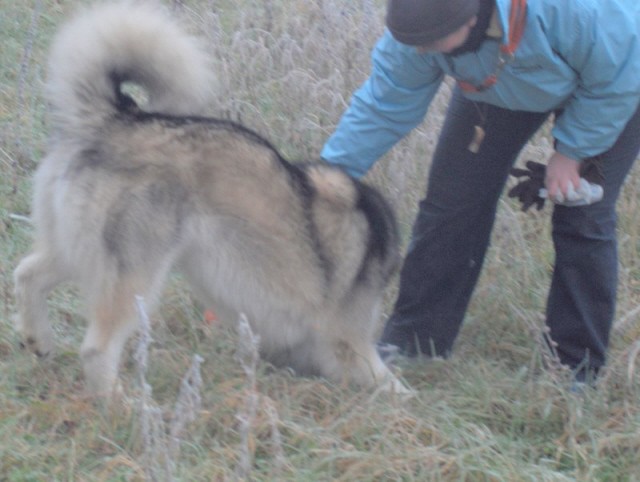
pixel 517 17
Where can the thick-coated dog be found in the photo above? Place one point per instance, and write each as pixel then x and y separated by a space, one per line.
pixel 125 194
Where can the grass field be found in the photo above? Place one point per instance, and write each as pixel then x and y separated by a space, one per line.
pixel 498 410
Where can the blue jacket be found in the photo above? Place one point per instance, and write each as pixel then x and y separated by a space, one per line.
pixel 579 55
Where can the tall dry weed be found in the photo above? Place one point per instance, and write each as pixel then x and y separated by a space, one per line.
pixel 161 440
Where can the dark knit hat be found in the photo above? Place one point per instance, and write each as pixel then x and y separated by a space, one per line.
pixel 420 22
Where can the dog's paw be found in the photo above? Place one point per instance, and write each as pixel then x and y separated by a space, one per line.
pixel 43 350
pixel 394 385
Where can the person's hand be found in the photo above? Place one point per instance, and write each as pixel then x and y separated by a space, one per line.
pixel 562 171
pixel 531 191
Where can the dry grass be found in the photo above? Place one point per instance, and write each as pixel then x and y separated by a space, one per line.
pixel 494 412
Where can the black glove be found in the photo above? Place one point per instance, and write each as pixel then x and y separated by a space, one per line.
pixel 527 190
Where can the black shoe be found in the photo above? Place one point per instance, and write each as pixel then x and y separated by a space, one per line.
pixel 388 352
pixel 393 355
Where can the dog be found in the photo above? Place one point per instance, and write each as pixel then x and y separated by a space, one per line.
pixel 125 194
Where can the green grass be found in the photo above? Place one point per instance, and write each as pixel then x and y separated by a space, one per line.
pixel 493 412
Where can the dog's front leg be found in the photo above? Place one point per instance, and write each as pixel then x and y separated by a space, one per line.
pixel 360 363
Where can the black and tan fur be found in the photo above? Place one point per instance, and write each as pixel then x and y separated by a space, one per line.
pixel 125 195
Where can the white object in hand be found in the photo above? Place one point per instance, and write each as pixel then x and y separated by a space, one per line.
pixel 587 193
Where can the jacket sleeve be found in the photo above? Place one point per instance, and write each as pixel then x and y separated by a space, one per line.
pixel 392 101
pixel 605 53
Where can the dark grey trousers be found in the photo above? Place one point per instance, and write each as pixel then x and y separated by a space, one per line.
pixel 452 232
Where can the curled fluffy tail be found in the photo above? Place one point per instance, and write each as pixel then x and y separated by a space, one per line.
pixel 109 44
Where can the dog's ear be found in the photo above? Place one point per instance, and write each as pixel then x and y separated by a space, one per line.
pixel 332 185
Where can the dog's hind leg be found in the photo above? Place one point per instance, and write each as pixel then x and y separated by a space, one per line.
pixel 112 320
pixel 34 278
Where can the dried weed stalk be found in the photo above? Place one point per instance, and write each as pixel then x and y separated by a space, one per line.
pixel 248 356
pixel 161 443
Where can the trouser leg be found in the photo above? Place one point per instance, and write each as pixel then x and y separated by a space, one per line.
pixel 581 303
pixel 453 226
